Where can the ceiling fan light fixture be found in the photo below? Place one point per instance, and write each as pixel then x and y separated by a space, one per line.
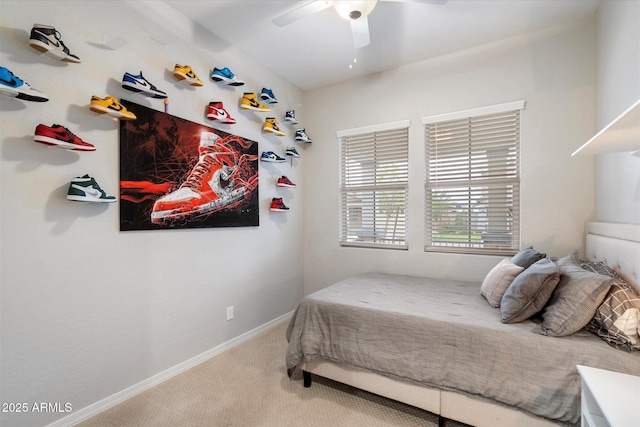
pixel 354 9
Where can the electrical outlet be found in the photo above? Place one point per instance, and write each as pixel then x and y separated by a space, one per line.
pixel 229 313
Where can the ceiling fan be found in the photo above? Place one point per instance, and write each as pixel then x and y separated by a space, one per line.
pixel 354 11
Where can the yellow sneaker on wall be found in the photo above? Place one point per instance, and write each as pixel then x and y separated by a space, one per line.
pixel 185 72
pixel 271 126
pixel 250 102
pixel 111 107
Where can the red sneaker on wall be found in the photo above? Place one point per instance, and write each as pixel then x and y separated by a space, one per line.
pixel 60 136
pixel 216 111
pixel 277 205
pixel 283 181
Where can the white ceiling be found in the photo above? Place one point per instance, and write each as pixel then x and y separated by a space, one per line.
pixel 317 50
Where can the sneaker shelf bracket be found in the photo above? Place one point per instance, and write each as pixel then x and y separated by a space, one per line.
pixel 114 43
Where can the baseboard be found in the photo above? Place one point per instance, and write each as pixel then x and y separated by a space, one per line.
pixel 108 402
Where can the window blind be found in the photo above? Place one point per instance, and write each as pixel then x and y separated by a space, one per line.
pixel 374 172
pixel 472 185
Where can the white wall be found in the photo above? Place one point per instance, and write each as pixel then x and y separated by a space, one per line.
pixel 88 311
pixel 553 71
pixel 618 86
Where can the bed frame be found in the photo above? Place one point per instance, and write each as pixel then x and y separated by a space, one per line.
pixel 616 244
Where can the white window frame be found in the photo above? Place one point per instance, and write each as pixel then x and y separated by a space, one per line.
pixel 363 221
pixel 480 174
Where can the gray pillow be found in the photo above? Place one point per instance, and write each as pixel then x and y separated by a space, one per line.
pixel 576 299
pixel 529 291
pixel 526 257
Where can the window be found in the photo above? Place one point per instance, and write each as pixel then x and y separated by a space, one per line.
pixel 374 172
pixel 472 185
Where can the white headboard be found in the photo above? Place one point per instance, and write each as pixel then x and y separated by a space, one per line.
pixel 618 245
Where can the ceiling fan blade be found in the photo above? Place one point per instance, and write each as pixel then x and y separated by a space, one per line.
pixel 419 1
pixel 360 31
pixel 299 12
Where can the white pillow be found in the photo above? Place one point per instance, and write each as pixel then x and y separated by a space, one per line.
pixel 628 324
pixel 497 281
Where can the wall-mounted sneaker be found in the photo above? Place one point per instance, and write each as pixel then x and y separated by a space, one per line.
pixel 216 111
pixel 48 40
pixel 290 117
pixel 250 102
pixel 61 137
pixel 141 85
pixel 86 189
pixel 302 136
pixel 291 151
pixel 224 75
pixel 111 107
pixel 14 87
pixel 277 205
pixel 267 96
pixel 283 181
pixel 271 126
pixel 270 156
pixel 185 73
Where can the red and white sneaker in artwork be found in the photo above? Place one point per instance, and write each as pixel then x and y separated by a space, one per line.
pixel 60 136
pixel 283 181
pixel 216 111
pixel 208 188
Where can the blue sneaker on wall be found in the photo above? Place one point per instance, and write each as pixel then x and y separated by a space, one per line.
pixel 141 85
pixel 267 96
pixel 270 156
pixel 226 76
pixel 14 87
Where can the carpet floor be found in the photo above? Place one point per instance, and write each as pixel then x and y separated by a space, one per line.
pixel 247 386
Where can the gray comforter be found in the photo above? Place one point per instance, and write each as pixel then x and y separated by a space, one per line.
pixel 444 334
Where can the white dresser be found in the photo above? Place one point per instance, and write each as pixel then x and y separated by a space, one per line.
pixel 609 399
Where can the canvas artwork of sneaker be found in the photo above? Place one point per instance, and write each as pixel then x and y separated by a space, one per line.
pixel 61 137
pixel 141 85
pixel 86 189
pixel 48 40
pixel 209 187
pixel 111 107
pixel 14 87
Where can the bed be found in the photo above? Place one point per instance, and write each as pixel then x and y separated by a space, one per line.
pixel 436 344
